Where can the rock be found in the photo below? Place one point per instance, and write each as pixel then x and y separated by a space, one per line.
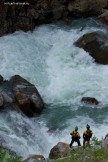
pixel 7 92
pixel 35 158
pixel 86 8
pixel 24 103
pixel 7 98
pixel 104 142
pixel 90 100
pixel 34 12
pixel 27 96
pixel 106 137
pixel 104 18
pixel 95 44
pixel 1 79
pixel 1 100
pixel 60 150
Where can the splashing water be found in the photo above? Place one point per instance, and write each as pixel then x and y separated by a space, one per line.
pixel 63 74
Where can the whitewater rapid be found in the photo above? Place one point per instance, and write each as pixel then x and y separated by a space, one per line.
pixel 63 74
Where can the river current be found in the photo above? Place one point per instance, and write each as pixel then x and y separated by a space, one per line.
pixel 63 74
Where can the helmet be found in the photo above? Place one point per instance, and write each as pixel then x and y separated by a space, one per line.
pixel 76 128
pixel 88 126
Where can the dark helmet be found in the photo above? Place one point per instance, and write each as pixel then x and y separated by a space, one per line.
pixel 88 126
pixel 76 128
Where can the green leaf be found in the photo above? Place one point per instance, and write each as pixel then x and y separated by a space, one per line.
pixel 4 157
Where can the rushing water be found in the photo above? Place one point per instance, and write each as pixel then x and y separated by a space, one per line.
pixel 63 74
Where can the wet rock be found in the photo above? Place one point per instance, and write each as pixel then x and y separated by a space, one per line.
pixel 35 158
pixel 86 8
pixel 90 100
pixel 7 98
pixel 7 92
pixel 96 44
pixel 1 100
pixel 1 79
pixel 24 103
pixel 60 150
pixel 27 95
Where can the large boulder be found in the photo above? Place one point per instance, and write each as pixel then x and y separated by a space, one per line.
pixel 86 8
pixel 27 96
pixel 35 158
pixel 95 44
pixel 90 100
pixel 60 150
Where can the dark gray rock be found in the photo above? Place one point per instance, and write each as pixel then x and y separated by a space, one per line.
pixel 96 44
pixel 103 18
pixel 1 79
pixel 7 92
pixel 90 100
pixel 86 8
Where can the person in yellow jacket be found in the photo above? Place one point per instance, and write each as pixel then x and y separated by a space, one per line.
pixel 87 134
pixel 75 137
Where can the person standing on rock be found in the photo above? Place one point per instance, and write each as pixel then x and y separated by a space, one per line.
pixel 87 134
pixel 75 137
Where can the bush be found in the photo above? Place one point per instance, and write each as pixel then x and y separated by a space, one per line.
pixel 6 157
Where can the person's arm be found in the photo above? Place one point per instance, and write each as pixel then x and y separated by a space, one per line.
pixel 78 136
pixel 84 134
pixel 91 133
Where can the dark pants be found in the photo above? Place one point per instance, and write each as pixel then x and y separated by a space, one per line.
pixel 86 140
pixel 75 140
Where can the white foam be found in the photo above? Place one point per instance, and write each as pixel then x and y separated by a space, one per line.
pixel 63 75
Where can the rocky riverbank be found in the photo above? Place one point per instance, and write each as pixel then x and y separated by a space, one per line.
pixel 62 152
pixel 27 15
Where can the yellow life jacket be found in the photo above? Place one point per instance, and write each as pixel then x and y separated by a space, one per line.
pixel 75 134
pixel 87 133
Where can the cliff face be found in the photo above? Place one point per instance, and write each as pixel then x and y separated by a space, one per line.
pixel 26 14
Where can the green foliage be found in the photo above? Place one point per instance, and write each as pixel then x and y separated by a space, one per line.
pixel 6 157
pixel 95 141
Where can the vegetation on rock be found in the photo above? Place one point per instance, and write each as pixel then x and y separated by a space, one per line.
pixel 93 153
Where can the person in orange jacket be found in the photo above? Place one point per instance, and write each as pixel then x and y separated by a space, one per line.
pixel 75 137
pixel 87 134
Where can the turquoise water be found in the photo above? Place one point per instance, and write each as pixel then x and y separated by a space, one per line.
pixel 63 74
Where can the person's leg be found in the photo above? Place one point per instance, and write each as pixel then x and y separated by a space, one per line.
pixel 78 141
pixel 71 142
pixel 84 143
pixel 88 142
